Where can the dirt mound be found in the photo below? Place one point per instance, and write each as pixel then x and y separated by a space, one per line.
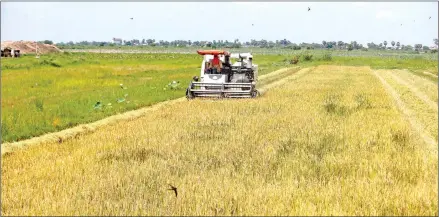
pixel 26 47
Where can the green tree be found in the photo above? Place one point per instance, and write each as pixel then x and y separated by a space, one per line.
pixel 398 44
pixel 385 44
pixel 48 42
pixel 408 47
pixel 340 44
pixel 393 43
pixel 354 45
pixel 418 47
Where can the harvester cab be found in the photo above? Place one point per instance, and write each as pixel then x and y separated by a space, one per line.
pixel 230 80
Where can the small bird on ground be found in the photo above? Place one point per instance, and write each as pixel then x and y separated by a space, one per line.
pixel 173 189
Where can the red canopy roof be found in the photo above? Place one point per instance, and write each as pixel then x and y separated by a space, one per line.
pixel 211 52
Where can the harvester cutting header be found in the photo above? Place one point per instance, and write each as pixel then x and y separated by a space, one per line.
pixel 221 78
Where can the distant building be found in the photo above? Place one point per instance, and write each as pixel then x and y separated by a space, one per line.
pixel 117 41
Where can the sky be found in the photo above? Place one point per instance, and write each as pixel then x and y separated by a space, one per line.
pixel 330 21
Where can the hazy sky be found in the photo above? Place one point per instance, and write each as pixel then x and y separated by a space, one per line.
pixel 101 21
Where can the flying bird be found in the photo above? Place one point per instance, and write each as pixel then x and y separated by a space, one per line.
pixel 131 18
pixel 429 18
pixel 253 24
pixel 173 189
pixel 309 9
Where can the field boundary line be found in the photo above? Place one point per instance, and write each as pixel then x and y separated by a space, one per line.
pixel 274 73
pixel 417 92
pixel 428 139
pixel 73 132
pixel 284 80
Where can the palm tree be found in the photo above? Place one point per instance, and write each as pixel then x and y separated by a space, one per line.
pixel 324 43
pixel 393 43
pixel 398 44
pixel 385 44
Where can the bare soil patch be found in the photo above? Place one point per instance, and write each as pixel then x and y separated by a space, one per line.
pixel 27 47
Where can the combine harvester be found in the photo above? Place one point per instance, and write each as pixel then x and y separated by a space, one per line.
pixel 237 80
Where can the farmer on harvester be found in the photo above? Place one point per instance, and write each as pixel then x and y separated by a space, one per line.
pixel 215 64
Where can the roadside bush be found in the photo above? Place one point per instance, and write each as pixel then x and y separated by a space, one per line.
pixel 327 56
pixel 54 63
pixel 307 56
pixel 294 60
pixel 433 51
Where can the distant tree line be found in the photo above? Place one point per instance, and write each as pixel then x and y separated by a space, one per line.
pixel 283 43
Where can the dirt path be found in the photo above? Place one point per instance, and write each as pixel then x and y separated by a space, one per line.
pixel 415 90
pixel 91 127
pixel 428 139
